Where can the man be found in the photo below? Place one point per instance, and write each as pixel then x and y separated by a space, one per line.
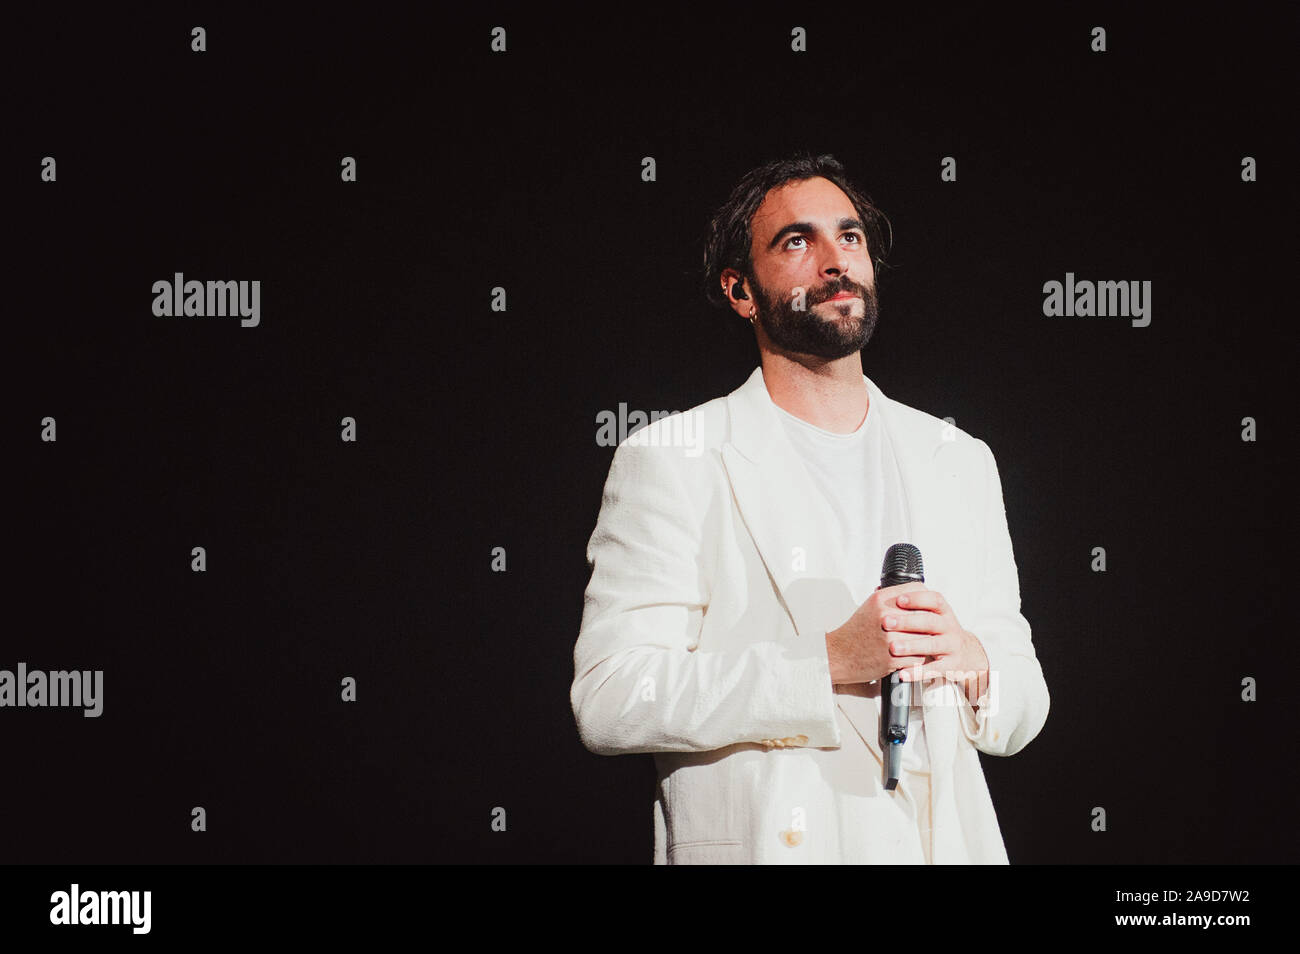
pixel 733 625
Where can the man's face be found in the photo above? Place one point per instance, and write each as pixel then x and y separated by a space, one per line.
pixel 807 236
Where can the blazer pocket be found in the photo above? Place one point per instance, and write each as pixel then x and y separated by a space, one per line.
pixel 702 816
pixel 715 852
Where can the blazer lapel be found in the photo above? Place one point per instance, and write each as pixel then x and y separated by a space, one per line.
pixel 789 521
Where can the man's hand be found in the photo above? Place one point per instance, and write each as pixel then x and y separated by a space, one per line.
pixel 924 625
pixel 859 650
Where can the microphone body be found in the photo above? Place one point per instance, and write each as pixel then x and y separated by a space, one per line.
pixel 902 565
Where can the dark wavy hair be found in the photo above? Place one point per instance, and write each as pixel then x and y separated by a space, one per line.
pixel 730 237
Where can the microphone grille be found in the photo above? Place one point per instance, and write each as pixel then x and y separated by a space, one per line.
pixel 903 559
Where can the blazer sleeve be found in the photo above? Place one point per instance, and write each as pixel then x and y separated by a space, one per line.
pixel 642 681
pixel 1013 709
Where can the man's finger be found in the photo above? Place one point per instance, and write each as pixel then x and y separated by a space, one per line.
pixel 922 600
pixel 919 622
pixel 938 646
pixel 916 646
pixel 890 593
pixel 906 662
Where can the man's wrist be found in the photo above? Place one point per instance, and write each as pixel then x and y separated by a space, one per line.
pixel 833 654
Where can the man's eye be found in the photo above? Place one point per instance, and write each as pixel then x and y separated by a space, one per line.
pixel 854 236
pixel 796 238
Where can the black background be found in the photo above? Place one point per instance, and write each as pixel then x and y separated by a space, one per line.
pixel 477 428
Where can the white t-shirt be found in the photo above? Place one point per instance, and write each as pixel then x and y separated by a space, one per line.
pixel 858 475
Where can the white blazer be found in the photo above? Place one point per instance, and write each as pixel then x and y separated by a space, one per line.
pixel 716 573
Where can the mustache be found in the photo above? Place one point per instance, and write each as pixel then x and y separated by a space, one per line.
pixel 835 287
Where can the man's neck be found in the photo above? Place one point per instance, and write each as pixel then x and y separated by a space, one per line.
pixel 831 395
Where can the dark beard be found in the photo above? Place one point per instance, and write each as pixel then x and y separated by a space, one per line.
pixel 803 332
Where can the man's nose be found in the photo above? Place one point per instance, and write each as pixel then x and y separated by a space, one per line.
pixel 835 261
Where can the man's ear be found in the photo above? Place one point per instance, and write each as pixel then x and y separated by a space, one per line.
pixel 735 290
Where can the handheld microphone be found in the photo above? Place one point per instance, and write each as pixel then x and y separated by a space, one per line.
pixel 902 565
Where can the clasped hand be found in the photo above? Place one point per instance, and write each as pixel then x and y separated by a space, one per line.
pixel 912 629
